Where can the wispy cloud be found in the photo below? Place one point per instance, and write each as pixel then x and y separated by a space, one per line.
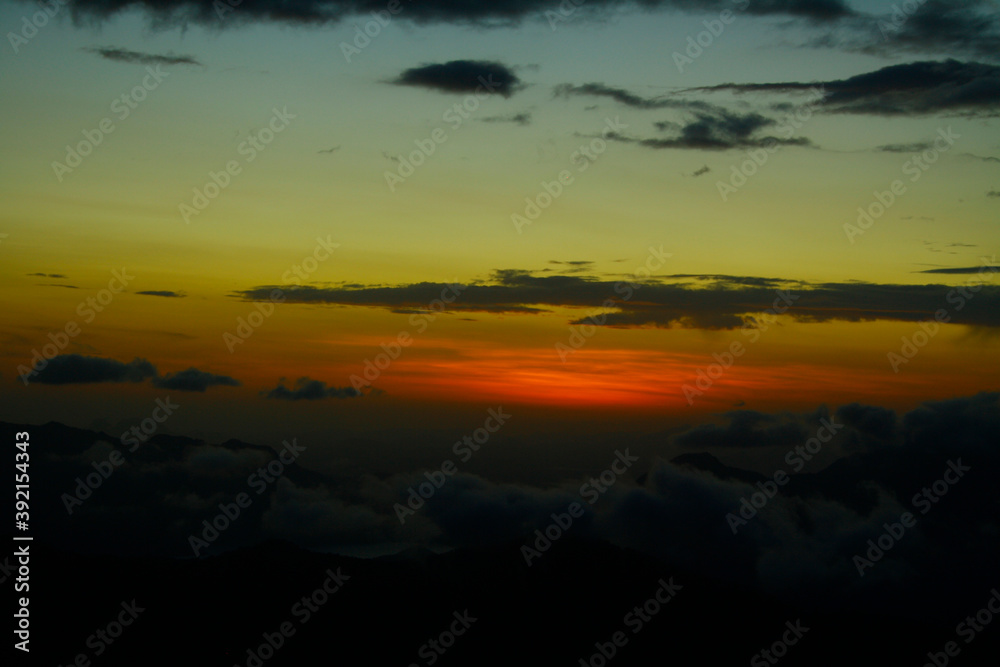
pixel 139 58
pixel 517 118
pixel 917 88
pixel 163 293
pixel 193 379
pixel 678 301
pixel 306 389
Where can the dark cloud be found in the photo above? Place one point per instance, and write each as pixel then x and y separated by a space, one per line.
pixel 463 76
pixel 47 275
pixel 801 544
pixel 77 369
pixel 717 130
pixel 916 88
pixel 575 262
pixel 622 96
pixel 682 301
pixel 517 118
pixel 309 390
pixel 164 293
pixel 933 246
pixel 193 379
pixel 710 127
pixel 572 266
pixel 701 171
pixel 329 150
pixel 817 10
pixel 879 422
pixel 746 428
pixel 500 13
pixel 959 271
pixel 917 147
pixel 138 58
pixel 941 26
pixel 724 281
pixel 993 193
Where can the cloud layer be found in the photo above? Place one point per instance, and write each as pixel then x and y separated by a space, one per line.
pixel 463 76
pixel 306 389
pixel 802 543
pixel 501 12
pixel 193 380
pixel 78 369
pixel 688 301
pixel 917 88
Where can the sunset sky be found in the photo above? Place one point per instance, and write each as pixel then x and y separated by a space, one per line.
pixel 516 307
pixel 647 134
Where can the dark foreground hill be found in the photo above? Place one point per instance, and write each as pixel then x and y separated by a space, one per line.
pixel 567 606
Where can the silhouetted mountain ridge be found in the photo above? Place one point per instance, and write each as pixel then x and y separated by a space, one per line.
pixel 578 593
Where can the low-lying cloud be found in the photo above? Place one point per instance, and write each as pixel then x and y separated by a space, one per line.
pixel 680 301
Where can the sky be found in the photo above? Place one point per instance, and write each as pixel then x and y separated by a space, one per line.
pixel 719 277
pixel 803 204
